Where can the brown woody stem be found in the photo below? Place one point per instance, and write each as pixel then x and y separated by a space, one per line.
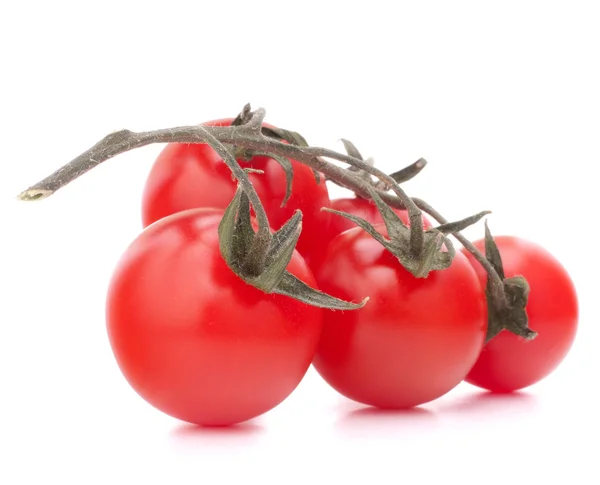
pixel 242 177
pixel 406 173
pixel 249 136
pixel 246 136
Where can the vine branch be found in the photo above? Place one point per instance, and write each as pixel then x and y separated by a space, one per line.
pixel 249 136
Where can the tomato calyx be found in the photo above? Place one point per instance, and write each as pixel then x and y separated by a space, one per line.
pixel 508 313
pixel 261 258
pixel 437 251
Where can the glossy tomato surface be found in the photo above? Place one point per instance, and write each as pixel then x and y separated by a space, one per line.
pixel 186 176
pixel 414 340
pixel 193 339
pixel 507 362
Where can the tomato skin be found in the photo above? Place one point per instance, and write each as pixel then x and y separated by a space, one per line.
pixel 415 339
pixel 186 176
pixel 192 338
pixel 508 362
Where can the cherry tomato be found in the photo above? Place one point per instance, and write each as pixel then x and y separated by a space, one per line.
pixel 186 176
pixel 509 362
pixel 192 338
pixel 414 340
pixel 360 207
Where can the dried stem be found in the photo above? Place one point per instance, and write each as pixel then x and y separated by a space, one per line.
pixel 405 174
pixel 249 136
pixel 242 177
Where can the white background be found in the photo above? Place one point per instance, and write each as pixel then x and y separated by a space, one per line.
pixel 502 99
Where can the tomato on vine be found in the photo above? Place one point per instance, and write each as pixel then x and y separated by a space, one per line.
pixel 196 341
pixel 186 176
pixel 180 297
pixel 509 362
pixel 414 341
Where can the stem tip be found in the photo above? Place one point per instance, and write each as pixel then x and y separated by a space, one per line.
pixel 34 194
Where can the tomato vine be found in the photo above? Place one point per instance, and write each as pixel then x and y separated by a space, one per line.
pixel 261 260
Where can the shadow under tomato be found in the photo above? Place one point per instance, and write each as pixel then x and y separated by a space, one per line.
pixel 371 420
pixel 239 434
pixel 486 402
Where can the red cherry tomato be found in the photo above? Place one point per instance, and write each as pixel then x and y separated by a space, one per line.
pixel 415 339
pixel 186 176
pixel 509 362
pixel 192 338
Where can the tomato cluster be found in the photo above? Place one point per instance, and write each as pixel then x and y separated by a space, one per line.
pixel 203 346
